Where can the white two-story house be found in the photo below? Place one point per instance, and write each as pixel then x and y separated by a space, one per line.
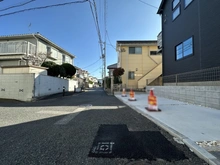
pixel 31 49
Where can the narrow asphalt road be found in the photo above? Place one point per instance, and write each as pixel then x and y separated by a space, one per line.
pixel 88 128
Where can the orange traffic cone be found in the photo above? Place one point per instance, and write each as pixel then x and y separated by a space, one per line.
pixel 152 102
pixel 132 96
pixel 123 93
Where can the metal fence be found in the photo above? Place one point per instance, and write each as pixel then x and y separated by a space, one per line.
pixel 211 75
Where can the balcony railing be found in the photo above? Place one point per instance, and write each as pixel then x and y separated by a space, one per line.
pixel 17 47
pixel 209 76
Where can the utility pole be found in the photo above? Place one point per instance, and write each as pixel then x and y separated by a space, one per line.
pixel 104 53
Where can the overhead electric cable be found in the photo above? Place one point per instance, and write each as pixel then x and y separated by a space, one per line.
pixel 148 4
pixel 110 41
pixel 91 64
pixel 95 17
pixel 18 5
pixel 43 7
pixel 100 67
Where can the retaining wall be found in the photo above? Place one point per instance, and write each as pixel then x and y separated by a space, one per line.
pixel 26 87
pixel 17 86
pixel 208 96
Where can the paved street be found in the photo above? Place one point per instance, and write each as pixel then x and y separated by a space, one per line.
pixel 72 130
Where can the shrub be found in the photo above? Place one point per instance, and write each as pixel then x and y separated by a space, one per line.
pixel 70 69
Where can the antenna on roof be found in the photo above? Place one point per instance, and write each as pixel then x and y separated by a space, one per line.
pixel 29 27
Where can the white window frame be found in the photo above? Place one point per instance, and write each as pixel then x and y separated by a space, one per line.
pixel 31 49
pixel 14 47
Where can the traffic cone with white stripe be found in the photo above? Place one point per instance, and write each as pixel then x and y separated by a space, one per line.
pixel 152 102
pixel 123 93
pixel 132 96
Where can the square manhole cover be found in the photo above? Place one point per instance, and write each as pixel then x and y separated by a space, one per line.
pixel 115 141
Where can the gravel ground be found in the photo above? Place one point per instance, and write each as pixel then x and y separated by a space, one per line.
pixel 28 134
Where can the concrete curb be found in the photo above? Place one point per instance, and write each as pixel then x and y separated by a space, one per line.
pixel 199 151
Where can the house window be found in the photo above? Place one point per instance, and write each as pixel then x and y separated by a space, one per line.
pixel 184 49
pixel 67 59
pixel 153 52
pixel 63 59
pixel 176 12
pixel 135 50
pixel 49 51
pixel 131 75
pixel 187 2
pixel 175 3
pixel 31 49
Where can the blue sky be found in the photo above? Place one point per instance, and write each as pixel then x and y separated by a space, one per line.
pixel 72 26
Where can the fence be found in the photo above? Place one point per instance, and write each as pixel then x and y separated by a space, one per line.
pixel 28 86
pixel 204 77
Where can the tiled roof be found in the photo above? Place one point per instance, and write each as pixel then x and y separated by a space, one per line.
pixel 37 35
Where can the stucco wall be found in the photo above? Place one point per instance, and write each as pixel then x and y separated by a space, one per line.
pixel 140 64
pixel 47 85
pixel 208 96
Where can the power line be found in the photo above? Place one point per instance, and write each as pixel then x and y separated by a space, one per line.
pixel 95 17
pixel 43 7
pixel 110 41
pixel 91 64
pixel 18 5
pixel 96 69
pixel 148 4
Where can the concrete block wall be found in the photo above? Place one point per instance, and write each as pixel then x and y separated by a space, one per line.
pixel 208 96
pixel 17 86
pixel 26 87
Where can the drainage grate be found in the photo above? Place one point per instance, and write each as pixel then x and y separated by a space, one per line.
pixel 115 141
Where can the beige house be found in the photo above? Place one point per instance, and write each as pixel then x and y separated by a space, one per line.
pixel 31 49
pixel 141 62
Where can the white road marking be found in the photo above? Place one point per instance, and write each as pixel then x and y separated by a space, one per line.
pixel 54 112
pixel 68 118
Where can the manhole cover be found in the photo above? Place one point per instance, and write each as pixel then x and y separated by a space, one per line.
pixel 115 141
pixel 85 105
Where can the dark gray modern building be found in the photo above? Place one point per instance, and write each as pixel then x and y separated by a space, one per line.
pixel 190 35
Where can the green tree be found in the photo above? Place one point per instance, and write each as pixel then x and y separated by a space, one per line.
pixel 49 65
pixel 62 71
pixel 70 69
pixel 55 70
